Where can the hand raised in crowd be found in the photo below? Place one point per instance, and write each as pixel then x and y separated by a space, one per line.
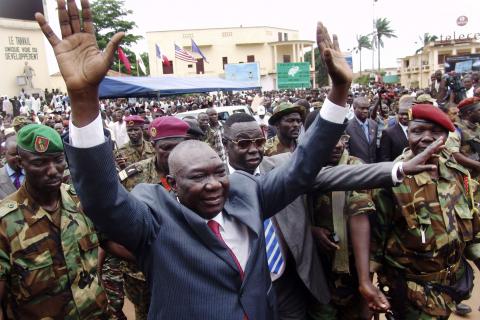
pixel 81 63
pixel 337 67
pixel 422 161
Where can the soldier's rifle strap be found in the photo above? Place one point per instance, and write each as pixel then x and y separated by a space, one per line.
pixel 340 260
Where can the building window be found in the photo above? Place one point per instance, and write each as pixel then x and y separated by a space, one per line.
pixel 226 34
pixel 224 62
pixel 407 63
pixel 286 58
pixel 279 36
pixel 441 58
pixel 251 58
pixel 190 65
pixel 187 35
pixel 285 36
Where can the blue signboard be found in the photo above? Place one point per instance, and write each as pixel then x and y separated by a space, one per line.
pixel 247 72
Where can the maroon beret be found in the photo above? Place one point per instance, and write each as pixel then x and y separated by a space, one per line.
pixel 468 102
pixel 168 127
pixel 433 114
pixel 132 121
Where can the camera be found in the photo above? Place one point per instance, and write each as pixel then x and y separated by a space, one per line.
pixel 454 83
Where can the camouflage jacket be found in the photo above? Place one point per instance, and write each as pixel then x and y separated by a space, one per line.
pixel 133 154
pixel 50 272
pixel 424 227
pixel 274 146
pixel 144 171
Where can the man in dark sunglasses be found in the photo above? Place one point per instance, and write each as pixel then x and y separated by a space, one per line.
pixel 301 276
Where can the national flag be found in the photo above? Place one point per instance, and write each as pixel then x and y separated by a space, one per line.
pixel 140 63
pixel 124 59
pixel 184 55
pixel 196 49
pixel 161 56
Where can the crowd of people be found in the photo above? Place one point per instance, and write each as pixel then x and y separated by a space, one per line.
pixel 284 213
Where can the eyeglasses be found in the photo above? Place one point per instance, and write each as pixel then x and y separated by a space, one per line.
pixel 246 143
pixel 344 138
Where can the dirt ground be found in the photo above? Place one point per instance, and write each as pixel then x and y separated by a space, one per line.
pixel 474 303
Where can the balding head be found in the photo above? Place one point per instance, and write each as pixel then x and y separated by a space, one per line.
pixel 360 108
pixel 198 177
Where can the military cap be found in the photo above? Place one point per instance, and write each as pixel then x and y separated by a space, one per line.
pixel 433 114
pixel 283 109
pixel 168 127
pixel 132 121
pixel 20 120
pixel 38 138
pixel 425 98
pixel 469 102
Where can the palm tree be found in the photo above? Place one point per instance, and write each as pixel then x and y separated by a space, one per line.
pixel 382 30
pixel 363 42
pixel 426 39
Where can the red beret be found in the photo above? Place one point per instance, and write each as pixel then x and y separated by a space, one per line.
pixel 168 127
pixel 134 121
pixel 468 102
pixel 433 114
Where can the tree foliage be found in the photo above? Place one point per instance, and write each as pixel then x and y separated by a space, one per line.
pixel 426 39
pixel 382 30
pixel 363 42
pixel 321 74
pixel 110 17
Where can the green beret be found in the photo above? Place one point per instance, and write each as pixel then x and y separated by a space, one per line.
pixel 38 138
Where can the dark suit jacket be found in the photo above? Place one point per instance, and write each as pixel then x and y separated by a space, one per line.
pixel 358 146
pixel 392 143
pixel 190 273
pixel 6 185
pixel 294 222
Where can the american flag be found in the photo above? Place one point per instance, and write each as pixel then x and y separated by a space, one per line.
pixel 184 55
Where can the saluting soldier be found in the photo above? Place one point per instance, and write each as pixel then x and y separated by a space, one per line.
pixel 48 247
pixel 165 134
pixel 426 226
pixel 137 148
pixel 288 119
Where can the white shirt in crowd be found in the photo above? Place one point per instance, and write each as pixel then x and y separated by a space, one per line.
pixel 119 133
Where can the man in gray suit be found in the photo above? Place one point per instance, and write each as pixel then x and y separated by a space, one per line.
pixel 363 132
pixel 301 276
pixel 203 252
pixel 11 175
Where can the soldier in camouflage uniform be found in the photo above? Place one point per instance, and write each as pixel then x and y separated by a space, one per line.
pixel 287 118
pixel 335 248
pixel 165 134
pixel 48 247
pixel 137 148
pixel 424 228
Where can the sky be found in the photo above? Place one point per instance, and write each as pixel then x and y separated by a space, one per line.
pixel 410 19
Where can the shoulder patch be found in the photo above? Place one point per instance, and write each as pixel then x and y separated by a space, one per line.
pixel 7 206
pixel 129 171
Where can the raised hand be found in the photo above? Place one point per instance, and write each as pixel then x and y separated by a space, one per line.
pixel 81 63
pixel 338 68
pixel 422 161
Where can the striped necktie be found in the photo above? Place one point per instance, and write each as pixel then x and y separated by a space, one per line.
pixel 274 252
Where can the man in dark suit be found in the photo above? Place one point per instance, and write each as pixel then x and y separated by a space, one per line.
pixel 363 132
pixel 203 252
pixel 11 175
pixel 394 139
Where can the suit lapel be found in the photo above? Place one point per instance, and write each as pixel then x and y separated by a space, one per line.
pixel 371 131
pixel 400 134
pixel 359 130
pixel 206 235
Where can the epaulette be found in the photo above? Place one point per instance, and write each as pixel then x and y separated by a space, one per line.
pixel 70 189
pixel 129 171
pixel 7 206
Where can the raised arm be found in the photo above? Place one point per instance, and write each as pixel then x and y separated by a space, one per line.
pixel 280 186
pixel 83 66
